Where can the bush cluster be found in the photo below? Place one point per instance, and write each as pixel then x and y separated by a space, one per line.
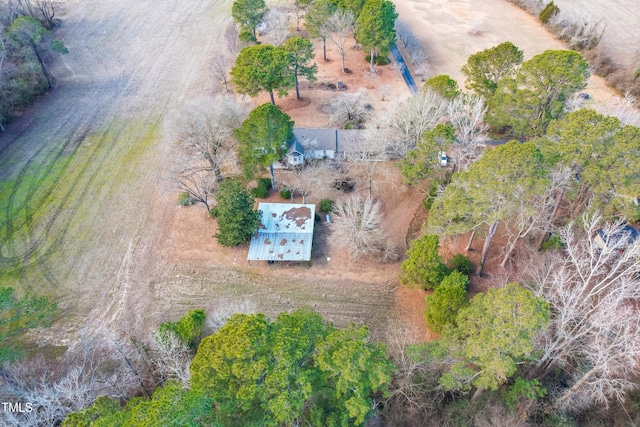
pixel 548 12
pixel 285 193
pixel 325 205
pixel 184 199
pixel 262 190
pixel 189 328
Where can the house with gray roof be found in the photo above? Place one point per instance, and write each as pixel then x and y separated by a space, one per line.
pixel 321 143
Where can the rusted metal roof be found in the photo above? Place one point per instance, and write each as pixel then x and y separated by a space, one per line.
pixel 285 233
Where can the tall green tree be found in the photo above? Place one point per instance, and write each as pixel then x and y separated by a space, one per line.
pixel 421 162
pixel 263 138
pixel 375 27
pixel 300 54
pixel 443 85
pixel 237 220
pixel 490 191
pixel 443 305
pixel 262 67
pixel 524 106
pixel 249 13
pixel 494 334
pixel 296 370
pixel 423 266
pixel 316 20
pixel 355 6
pixel 603 154
pixel 486 68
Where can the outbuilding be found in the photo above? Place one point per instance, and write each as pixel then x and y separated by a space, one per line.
pixel 285 233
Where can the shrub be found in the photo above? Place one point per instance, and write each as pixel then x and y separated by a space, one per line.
pixel 461 263
pixel 553 242
pixel 423 266
pixel 379 60
pixel 184 199
pixel 449 297
pixel 548 12
pixel 262 190
pixel 237 220
pixel 326 205
pixel 213 212
pixel 189 328
pixel 259 192
pixel 285 193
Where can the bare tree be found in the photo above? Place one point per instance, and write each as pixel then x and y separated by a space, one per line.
pixel 408 41
pixel 232 43
pixel 218 315
pixel 624 109
pixel 205 128
pixel 408 120
pixel 171 358
pixel 415 395
pixel 357 226
pixel 339 28
pixel 189 175
pixel 42 10
pixel 350 107
pixel 277 22
pixel 55 388
pixel 302 178
pixel 466 114
pixel 220 67
pixel 537 213
pixel 9 11
pixel 302 6
pixel 592 288
pixel 364 153
pixel 371 76
pixel 573 103
pixel 580 33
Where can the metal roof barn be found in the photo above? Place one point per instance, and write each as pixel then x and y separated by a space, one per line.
pixel 285 233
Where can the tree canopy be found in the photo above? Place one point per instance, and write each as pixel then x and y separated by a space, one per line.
pixel 443 85
pixel 262 68
pixel 263 138
pixel 486 68
pixel 294 369
pixel 423 159
pixel 300 54
pixel 443 305
pixel 237 220
pixel 603 154
pixel 316 20
pixel 491 191
pixel 494 333
pixel 524 106
pixel 423 266
pixel 375 26
pixel 249 13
